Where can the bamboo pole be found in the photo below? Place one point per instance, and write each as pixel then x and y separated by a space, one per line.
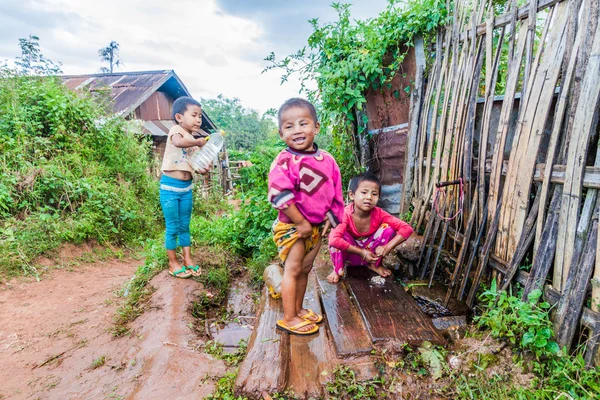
pixel 556 130
pixel 531 125
pixel 583 125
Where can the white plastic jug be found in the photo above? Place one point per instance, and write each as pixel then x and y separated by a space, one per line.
pixel 273 275
pixel 203 157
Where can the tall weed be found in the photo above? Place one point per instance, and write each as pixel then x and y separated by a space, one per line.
pixel 71 172
pixel 247 229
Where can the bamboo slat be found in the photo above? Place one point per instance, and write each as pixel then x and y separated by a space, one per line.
pixel 555 135
pixel 531 123
pixel 415 113
pixel 572 191
pixel 571 302
pixel 514 69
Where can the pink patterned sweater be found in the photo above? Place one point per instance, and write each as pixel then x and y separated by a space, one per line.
pixel 309 179
pixel 378 217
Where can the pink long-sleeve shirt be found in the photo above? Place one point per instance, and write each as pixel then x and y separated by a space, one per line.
pixel 378 217
pixel 309 179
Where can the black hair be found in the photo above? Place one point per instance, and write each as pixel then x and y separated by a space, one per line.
pixel 297 102
pixel 363 177
pixel 181 104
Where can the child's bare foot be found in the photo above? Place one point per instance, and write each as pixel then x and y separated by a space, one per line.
pixel 178 271
pixel 380 270
pixel 297 326
pixel 193 269
pixel 333 277
pixel 310 315
pixel 174 266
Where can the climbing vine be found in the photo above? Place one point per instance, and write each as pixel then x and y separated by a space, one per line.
pixel 348 57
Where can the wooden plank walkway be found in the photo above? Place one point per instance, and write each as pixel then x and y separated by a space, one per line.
pixel 343 318
pixel 265 365
pixel 309 365
pixel 389 312
pixel 356 316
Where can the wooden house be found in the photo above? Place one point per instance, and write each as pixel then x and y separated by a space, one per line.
pixel 146 95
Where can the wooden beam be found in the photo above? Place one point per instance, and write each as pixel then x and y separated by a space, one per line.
pixel 266 364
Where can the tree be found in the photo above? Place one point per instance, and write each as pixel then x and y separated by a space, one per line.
pixel 32 61
pixel 245 127
pixel 110 54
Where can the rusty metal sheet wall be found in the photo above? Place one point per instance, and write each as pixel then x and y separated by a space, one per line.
pixel 388 112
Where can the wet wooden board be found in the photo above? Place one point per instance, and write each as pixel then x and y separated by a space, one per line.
pixel 309 367
pixel 266 363
pixel 390 314
pixel 345 323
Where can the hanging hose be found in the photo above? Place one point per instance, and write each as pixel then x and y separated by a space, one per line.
pixel 441 192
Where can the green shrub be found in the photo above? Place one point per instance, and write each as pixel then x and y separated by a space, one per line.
pixel 71 172
pixel 526 326
pixel 247 230
pixel 523 323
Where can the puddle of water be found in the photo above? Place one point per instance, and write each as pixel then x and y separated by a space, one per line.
pixel 231 334
pixel 241 301
pixel 431 299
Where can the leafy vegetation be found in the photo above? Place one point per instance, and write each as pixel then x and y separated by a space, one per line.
pixel 346 385
pixel 523 323
pixel 71 171
pixel 526 325
pixel 246 230
pixel 245 128
pixel 349 57
pixel 233 358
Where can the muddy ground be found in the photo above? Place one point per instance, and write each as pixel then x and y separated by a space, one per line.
pixel 55 340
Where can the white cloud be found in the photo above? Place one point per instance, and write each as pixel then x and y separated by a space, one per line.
pixel 213 52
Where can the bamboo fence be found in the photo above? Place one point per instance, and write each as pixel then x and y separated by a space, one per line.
pixel 530 168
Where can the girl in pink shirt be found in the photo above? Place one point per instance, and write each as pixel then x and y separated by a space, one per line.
pixel 367 233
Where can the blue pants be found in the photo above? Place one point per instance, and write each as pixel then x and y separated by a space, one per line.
pixel 176 202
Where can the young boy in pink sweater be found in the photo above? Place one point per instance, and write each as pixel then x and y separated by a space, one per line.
pixel 367 233
pixel 305 186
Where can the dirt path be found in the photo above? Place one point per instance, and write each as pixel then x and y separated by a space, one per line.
pixel 55 341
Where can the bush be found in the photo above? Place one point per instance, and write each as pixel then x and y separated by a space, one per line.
pixel 70 172
pixel 247 230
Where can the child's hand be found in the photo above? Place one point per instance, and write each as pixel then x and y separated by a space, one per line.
pixel 203 171
pixel 304 229
pixel 382 251
pixel 369 257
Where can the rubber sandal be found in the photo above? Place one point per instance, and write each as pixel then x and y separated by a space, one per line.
pixel 294 330
pixel 195 270
pixel 312 317
pixel 180 273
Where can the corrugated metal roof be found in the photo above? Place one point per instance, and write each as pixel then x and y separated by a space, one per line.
pixel 130 89
pixel 157 127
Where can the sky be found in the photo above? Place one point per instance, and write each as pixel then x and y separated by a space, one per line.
pixel 214 46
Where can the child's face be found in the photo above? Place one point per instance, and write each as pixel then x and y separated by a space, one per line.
pixel 298 129
pixel 191 120
pixel 366 196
